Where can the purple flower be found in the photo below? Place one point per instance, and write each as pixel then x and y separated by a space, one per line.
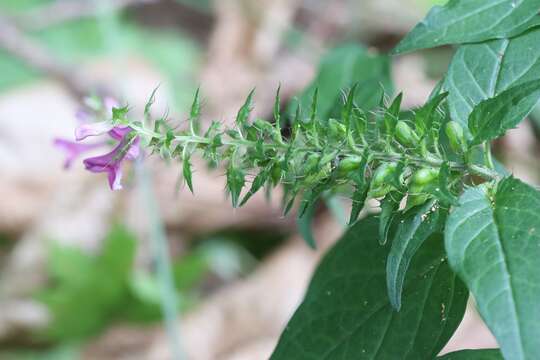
pixel 92 129
pixel 118 132
pixel 128 148
pixel 127 144
pixel 73 149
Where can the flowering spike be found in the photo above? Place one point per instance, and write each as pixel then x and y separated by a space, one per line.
pixel 321 154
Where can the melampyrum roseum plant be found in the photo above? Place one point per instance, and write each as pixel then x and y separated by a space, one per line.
pixel 452 219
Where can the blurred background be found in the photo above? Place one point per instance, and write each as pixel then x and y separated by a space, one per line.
pixel 153 271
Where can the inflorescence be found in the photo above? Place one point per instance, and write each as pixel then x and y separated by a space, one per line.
pixel 384 154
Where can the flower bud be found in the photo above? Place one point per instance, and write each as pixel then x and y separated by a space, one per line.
pixel 405 135
pixel 454 131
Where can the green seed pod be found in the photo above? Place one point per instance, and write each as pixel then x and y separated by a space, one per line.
pixel 380 186
pixel 405 135
pixel 382 173
pixel 349 164
pixel 454 131
pixel 416 196
pixel 425 176
pixel 380 191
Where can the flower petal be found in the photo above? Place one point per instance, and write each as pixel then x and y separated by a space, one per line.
pixel 115 178
pixel 134 150
pixel 118 132
pixel 92 129
pixel 73 149
pixel 111 162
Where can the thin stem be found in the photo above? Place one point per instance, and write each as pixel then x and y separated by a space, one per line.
pixel 169 302
pixel 350 149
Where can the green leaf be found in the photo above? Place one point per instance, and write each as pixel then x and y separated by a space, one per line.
pixel 482 354
pixel 418 224
pixel 361 188
pixel 389 210
pixel 195 114
pixel 391 116
pixel 482 71
pixel 150 103
pixel 466 21
pixel 341 68
pixel 346 313
pixel 493 117
pixel 347 111
pixel 313 112
pixel 277 114
pixel 423 117
pixel 235 182
pixel 493 242
pixel 259 181
pixel 243 114
pixel 305 223
pixel 187 173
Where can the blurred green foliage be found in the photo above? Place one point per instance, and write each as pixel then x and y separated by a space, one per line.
pixel 112 35
pixel 340 69
pixel 88 292
pixel 61 352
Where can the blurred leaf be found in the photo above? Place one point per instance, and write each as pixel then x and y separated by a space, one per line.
pixel 60 352
pixel 89 290
pixel 21 5
pixel 171 52
pixel 342 68
pixel 14 72
pixel 190 270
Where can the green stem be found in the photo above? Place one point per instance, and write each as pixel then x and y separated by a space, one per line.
pixel 160 250
pixel 350 149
